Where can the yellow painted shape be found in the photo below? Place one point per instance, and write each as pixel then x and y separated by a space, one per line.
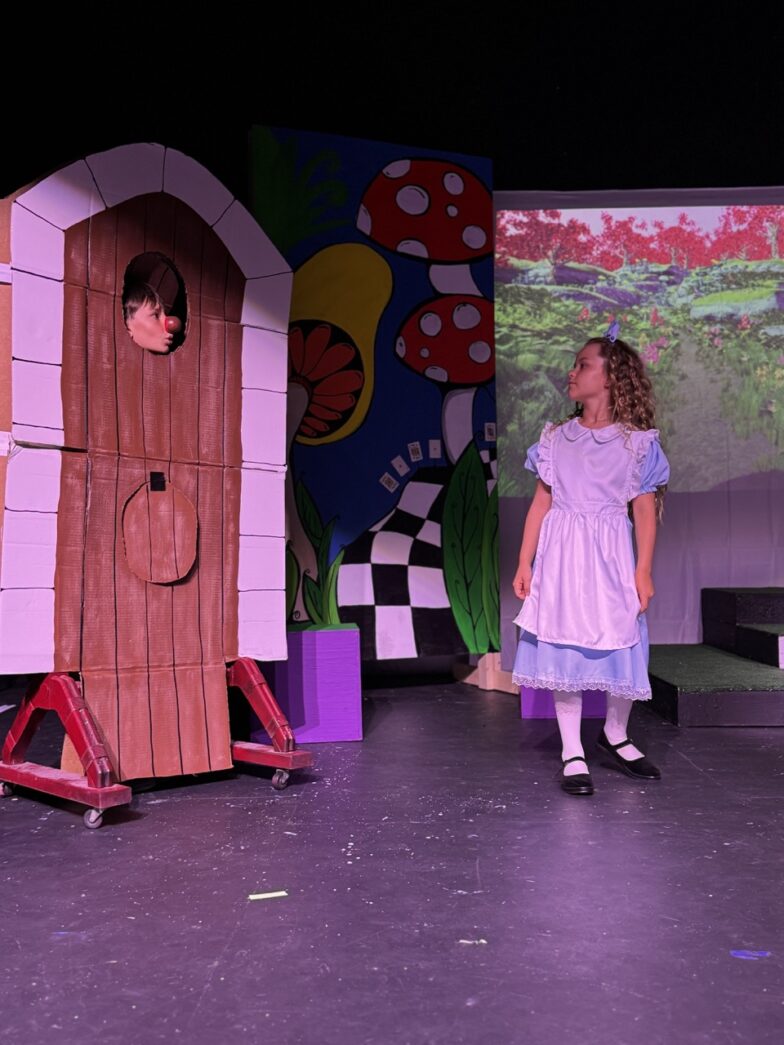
pixel 349 285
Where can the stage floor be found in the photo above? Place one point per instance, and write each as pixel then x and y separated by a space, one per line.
pixel 440 888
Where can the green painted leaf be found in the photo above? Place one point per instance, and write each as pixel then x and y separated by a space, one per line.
pixel 294 201
pixel 323 553
pixel 330 604
pixel 461 536
pixel 491 588
pixel 292 581
pixel 309 514
pixel 312 598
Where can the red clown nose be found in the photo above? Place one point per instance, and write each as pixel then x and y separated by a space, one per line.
pixel 173 324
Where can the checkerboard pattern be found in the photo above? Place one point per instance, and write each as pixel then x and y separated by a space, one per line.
pixel 391 581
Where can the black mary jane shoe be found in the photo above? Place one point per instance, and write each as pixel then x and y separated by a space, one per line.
pixel 639 768
pixel 579 783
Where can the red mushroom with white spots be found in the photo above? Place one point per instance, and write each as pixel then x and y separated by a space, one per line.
pixel 431 209
pixel 449 341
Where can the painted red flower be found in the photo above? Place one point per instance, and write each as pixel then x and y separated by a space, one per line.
pixel 327 364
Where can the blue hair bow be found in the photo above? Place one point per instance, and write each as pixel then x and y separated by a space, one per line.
pixel 612 331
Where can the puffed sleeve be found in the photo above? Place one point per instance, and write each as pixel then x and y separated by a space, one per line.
pixel 539 457
pixel 651 467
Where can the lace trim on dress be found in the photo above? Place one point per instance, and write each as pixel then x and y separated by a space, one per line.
pixel 641 444
pixel 616 689
pixel 544 462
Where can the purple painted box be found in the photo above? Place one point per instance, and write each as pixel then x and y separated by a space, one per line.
pixel 319 687
pixel 538 703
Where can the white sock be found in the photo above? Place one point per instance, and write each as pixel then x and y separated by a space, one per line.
pixel 569 712
pixel 618 711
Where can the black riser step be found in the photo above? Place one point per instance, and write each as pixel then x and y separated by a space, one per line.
pixel 698 685
pixel 743 605
pixel 762 642
pixel 757 708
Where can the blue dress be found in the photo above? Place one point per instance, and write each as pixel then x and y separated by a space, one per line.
pixel 581 623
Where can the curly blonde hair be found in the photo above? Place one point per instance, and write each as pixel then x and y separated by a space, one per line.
pixel 631 394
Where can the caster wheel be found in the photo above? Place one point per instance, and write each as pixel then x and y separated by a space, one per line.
pixel 6 790
pixel 280 779
pixel 93 819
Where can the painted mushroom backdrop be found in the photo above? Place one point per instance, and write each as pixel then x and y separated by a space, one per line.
pixel 391 503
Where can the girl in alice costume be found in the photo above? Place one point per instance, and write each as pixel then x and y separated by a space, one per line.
pixel 583 618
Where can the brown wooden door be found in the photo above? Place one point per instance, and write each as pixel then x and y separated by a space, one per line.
pixel 151 649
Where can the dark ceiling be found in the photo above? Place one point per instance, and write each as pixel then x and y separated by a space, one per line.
pixel 559 100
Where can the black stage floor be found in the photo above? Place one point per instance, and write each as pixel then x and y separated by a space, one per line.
pixel 440 888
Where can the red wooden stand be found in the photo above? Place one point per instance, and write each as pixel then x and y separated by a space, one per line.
pixel 98 788
pixel 282 754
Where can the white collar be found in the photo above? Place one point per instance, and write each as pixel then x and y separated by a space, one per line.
pixel 574 430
